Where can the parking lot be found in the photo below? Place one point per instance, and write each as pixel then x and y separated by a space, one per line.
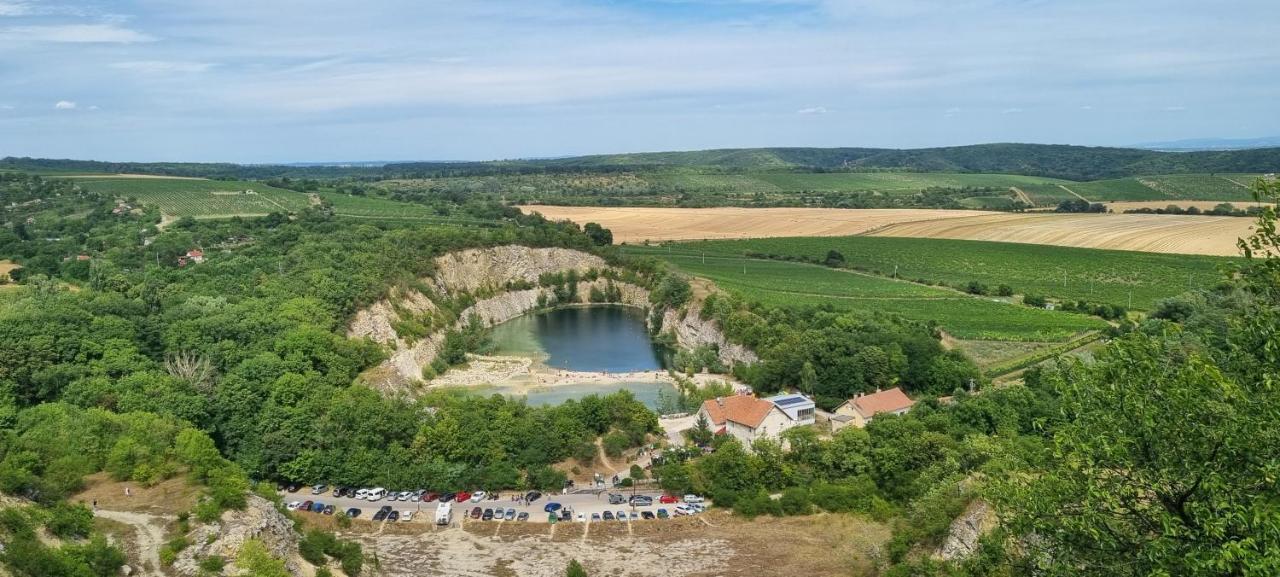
pixel 585 502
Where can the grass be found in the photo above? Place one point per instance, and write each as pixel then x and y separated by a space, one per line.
pixel 1101 276
pixel 202 198
pixel 791 284
pixel 1224 187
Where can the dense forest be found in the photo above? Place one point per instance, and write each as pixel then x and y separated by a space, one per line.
pixel 1058 161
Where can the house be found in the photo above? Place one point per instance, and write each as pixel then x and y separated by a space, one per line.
pixel 195 255
pixel 748 418
pixel 862 408
pixel 745 417
pixel 799 408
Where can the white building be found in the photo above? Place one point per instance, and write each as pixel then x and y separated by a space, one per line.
pixel 799 408
pixel 748 418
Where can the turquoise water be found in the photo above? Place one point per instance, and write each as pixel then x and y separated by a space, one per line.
pixel 594 339
pixel 645 392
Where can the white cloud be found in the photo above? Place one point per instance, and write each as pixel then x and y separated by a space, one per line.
pixel 1011 111
pixel 813 110
pixel 65 105
pixel 950 112
pixel 93 107
pixel 15 9
pixel 162 66
pixel 76 34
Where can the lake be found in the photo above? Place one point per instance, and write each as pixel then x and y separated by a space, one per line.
pixel 592 339
pixel 647 392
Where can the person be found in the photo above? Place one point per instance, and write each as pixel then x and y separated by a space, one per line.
pixel 127 493
pixel 95 504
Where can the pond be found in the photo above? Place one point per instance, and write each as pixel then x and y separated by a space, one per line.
pixel 603 338
pixel 650 393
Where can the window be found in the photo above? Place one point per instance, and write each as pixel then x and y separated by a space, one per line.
pixel 804 414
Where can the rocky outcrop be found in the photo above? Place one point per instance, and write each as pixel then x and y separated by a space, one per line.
pixel 259 520
pixel 692 331
pixel 966 530
pixel 489 269
pixel 376 321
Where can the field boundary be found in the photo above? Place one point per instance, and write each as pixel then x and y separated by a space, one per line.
pixel 1074 193
pixel 1018 192
pixel 1040 355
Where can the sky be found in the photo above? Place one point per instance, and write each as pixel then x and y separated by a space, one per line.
pixel 321 80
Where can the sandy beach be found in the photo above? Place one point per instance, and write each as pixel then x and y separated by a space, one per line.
pixel 525 373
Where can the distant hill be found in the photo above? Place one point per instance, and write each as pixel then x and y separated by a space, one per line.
pixel 1048 160
pixel 1212 144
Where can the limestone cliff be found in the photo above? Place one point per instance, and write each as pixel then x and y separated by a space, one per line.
pixel 259 520
pixel 966 530
pixel 491 271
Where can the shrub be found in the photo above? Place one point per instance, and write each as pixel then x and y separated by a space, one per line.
pixel 575 569
pixel 169 552
pixel 1036 301
pixel 976 288
pixel 615 443
pixel 212 564
pixel 1004 290
pixel 795 501
pixel 70 520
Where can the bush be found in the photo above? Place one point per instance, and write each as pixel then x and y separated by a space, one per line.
pixel 615 443
pixel 1004 290
pixel 212 564
pixel 1036 301
pixel 169 552
pixel 795 501
pixel 976 288
pixel 575 569
pixel 70 520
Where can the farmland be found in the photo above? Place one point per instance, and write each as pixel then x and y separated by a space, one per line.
pixel 1103 276
pixel 790 284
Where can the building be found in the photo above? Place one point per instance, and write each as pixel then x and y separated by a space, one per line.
pixel 799 408
pixel 862 408
pixel 195 255
pixel 748 418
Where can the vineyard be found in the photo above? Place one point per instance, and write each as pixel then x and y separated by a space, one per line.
pixel 1103 276
pixel 792 284
pixel 202 198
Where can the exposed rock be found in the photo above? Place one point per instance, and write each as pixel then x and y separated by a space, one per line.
pixel 492 268
pixel 691 332
pixel 966 530
pixel 259 520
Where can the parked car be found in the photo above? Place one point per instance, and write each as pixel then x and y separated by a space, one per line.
pixel 648 515
pixel 305 506
pixel 641 501
pixel 551 507
pixel 406 516
pixel 498 513
pixel 393 516
pixel 293 487
pixel 668 499
pixel 447 497
pixel 692 499
pixel 608 516
pixel 510 514
pixel 634 516
pixel 532 496
pixel 617 499
pixel 318 489
pixel 476 512
pixel 621 515
pixel 697 507
pixel 353 512
pixel 376 494
pixel 662 514
pixel 523 516
pixel 462 496
pixel 682 509
pixel 361 494
pixel 566 515
pixel 487 515
pixel 406 495
pixel 380 515
pixel 581 518
pixel 429 497
pixel 478 496
pixel 328 509
pixel 293 505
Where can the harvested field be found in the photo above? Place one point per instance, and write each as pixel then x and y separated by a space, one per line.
pixel 640 224
pixel 1211 235
pixel 6 266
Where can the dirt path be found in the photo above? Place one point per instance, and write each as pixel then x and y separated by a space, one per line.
pixel 1073 193
pixel 603 458
pixel 151 536
pixel 1023 196
pixel 1238 183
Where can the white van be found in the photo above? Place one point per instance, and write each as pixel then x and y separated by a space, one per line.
pixel 444 513
pixel 376 494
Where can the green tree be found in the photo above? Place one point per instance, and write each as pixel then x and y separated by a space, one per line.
pixel 575 569
pixel 599 235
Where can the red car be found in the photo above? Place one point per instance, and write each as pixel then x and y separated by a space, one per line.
pixel 475 513
pixel 668 499
pixel 429 497
pixel 305 506
pixel 462 497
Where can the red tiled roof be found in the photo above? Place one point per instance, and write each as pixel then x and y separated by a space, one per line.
pixel 741 409
pixel 886 401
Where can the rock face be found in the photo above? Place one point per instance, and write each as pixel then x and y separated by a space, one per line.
pixel 691 332
pixel 490 271
pixel 966 530
pixel 259 520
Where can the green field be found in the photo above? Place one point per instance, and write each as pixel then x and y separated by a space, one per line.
pixel 1101 276
pixel 221 199
pixel 789 284
pixel 1224 187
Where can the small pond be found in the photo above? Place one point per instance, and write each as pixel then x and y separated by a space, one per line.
pixel 648 392
pixel 610 339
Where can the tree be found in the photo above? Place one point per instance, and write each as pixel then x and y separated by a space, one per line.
pixel 599 235
pixel 834 259
pixel 575 569
pixel 701 433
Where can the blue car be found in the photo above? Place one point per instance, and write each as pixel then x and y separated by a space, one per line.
pixel 551 507
pixel 317 507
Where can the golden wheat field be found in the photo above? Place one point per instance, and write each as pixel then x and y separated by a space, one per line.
pixel 1209 235
pixel 638 224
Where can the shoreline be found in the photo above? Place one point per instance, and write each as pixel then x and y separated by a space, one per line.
pixel 523 374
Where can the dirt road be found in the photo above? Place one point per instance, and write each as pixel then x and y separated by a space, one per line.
pixel 150 537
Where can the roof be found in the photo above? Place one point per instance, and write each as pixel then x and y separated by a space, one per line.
pixel 742 409
pixel 788 400
pixel 841 418
pixel 887 401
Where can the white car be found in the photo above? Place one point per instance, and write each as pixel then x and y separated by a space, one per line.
pixel 582 517
pixel 362 494
pixel 404 496
pixel 683 509
pixel 697 507
pixel 693 499
pixel 478 496
pixel 376 494
pixel 293 505
pixel 406 516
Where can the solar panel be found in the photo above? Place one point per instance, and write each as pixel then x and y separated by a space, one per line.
pixel 787 402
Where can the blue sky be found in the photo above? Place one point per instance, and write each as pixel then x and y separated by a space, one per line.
pixel 318 80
